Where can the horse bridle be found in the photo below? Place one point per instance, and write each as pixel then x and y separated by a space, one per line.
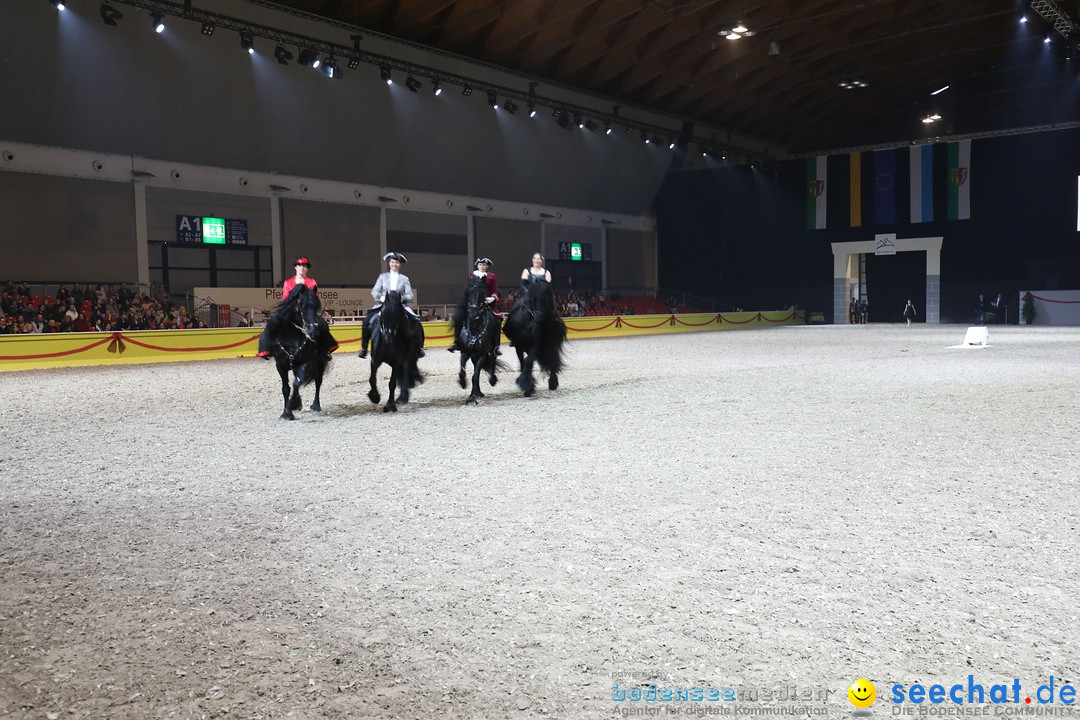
pixel 303 331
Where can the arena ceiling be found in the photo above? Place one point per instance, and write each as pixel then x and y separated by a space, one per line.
pixel 782 82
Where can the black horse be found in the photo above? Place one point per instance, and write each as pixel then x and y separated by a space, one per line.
pixel 396 339
pixel 476 330
pixel 537 333
pixel 292 338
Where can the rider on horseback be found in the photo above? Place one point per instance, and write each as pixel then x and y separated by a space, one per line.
pixel 391 280
pixel 482 269
pixel 325 341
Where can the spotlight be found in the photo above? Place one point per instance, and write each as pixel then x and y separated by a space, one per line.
pixel 607 128
pixel 283 56
pixel 157 21
pixel 109 14
pixel 247 42
pixel 57 4
pixel 330 68
pixel 493 101
pixel 308 56
pixel 466 91
pixel 436 87
pixel 645 136
pixel 384 73
pixel 532 110
pixel 354 62
pixel 671 145
pixel 412 83
pixel 590 125
pixel 510 107
pixel 208 28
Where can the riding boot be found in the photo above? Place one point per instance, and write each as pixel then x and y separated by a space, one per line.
pixel 365 338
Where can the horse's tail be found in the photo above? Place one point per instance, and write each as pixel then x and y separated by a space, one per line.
pixel 551 337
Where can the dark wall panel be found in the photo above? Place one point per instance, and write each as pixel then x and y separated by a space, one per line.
pixel 55 228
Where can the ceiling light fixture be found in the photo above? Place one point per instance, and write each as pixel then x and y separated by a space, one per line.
pixel 109 14
pixel 157 21
pixel 307 56
pixel 208 28
pixel 493 101
pixel 247 42
pixel 466 91
pixel 57 4
pixel 384 73
pixel 354 61
pixel 940 90
pixel 510 107
pixel 412 83
pixel 283 56
pixel 330 68
pixel 739 30
pixel 532 110
pixel 436 87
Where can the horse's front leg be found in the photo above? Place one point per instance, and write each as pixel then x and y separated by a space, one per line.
pixel 478 366
pixel 373 394
pixel 286 391
pixel 461 371
pixel 316 406
pixel 525 380
pixel 391 406
pixel 403 376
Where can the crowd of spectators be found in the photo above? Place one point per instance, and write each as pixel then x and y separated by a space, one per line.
pixel 90 308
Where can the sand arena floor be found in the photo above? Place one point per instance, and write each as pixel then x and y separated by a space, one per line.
pixel 757 510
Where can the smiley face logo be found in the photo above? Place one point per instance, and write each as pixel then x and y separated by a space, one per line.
pixel 862 693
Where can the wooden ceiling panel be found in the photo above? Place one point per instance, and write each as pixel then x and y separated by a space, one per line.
pixel 666 55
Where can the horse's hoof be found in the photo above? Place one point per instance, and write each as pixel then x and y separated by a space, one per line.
pixel 492 379
pixel 316 407
pixel 461 380
pixel 374 397
pixel 530 392
pixel 471 400
pixel 390 408
pixel 553 382
pixel 287 416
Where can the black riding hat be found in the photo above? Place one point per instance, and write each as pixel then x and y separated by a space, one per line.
pixel 394 256
pixel 479 260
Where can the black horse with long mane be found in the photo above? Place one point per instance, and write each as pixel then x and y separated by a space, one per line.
pixel 396 339
pixel 291 337
pixel 537 333
pixel 476 330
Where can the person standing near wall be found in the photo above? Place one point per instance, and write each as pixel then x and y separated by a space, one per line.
pixel 909 312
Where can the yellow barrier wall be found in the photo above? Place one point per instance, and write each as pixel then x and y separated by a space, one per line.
pixel 25 352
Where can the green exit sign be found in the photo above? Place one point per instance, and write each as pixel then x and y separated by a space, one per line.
pixel 575 251
pixel 213 230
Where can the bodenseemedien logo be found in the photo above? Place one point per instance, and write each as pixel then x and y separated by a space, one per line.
pixel 862 693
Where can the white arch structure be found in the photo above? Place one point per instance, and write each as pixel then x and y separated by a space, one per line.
pixel 846 266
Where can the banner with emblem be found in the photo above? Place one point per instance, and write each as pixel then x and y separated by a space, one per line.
pixel 885 187
pixel 816 192
pixel 921 159
pixel 960 180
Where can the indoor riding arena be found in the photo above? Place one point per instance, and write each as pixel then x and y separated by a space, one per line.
pixel 761 517
pixel 812 453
